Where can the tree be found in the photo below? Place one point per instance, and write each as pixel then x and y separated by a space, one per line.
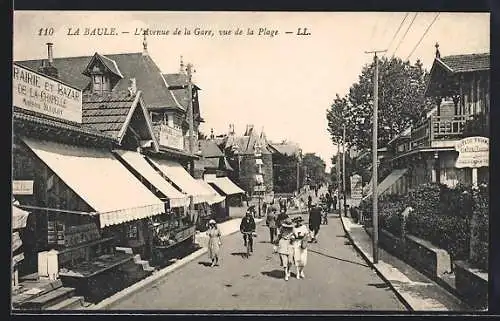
pixel 314 168
pixel 401 103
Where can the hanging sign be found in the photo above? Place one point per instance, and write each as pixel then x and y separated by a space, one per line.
pixel 22 187
pixel 34 91
pixel 356 187
pixel 472 152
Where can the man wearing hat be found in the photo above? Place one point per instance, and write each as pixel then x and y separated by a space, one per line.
pixel 271 223
pixel 315 221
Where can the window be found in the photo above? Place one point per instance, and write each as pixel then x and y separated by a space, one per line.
pixel 170 120
pixel 100 83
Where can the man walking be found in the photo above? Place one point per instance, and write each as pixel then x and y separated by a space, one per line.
pixel 315 221
pixel 271 223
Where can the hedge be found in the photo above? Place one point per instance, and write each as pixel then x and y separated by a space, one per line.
pixel 441 216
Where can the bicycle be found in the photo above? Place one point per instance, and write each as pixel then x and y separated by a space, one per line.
pixel 249 240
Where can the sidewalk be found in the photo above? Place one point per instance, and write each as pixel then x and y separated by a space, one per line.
pixel 418 292
pixel 227 228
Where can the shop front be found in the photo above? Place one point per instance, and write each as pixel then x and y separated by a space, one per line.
pixel 225 187
pixel 175 173
pixel 217 206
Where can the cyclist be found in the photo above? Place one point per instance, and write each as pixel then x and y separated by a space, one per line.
pixel 247 227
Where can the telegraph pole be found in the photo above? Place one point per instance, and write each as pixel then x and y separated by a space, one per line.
pixel 191 132
pixel 375 156
pixel 343 169
pixel 338 175
pixel 299 156
pixel 190 113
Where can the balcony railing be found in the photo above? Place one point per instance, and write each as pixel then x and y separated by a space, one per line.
pixel 438 128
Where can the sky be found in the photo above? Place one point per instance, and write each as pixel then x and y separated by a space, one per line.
pixel 279 82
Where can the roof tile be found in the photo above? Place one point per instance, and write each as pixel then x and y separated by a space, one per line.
pixel 468 62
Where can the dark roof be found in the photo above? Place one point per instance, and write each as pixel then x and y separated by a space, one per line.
pixel 286 148
pixel 209 148
pixel 110 64
pixel 107 113
pixel 206 163
pixel 131 65
pixel 19 114
pixel 467 63
pixel 177 81
pixel 246 144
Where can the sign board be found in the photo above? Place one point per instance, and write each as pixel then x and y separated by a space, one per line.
pixel 171 137
pixel 259 188
pixel 22 187
pixel 36 92
pixel 472 152
pixel 356 187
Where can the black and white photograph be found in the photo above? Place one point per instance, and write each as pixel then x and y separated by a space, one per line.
pixel 250 161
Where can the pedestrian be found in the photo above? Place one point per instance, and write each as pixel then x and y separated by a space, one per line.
pixel 328 198
pixel 282 216
pixel 300 236
pixel 271 223
pixel 334 202
pixel 264 209
pixel 315 221
pixel 214 242
pixel 284 246
pixel 309 202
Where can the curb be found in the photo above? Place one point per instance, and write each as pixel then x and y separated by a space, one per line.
pixel 373 266
pixel 123 294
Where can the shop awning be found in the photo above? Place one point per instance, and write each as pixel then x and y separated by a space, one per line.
pixel 99 179
pixel 390 180
pixel 180 177
pixel 216 197
pixel 139 163
pixel 226 185
pixel 258 161
pixel 16 241
pixel 19 218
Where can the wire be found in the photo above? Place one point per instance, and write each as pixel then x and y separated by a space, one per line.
pixel 397 31
pixel 421 38
pixel 406 32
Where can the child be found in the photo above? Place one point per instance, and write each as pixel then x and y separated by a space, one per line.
pixel 284 246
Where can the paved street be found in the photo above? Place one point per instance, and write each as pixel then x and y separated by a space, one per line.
pixel 336 279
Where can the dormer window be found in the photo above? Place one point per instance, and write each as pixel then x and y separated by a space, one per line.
pixel 100 83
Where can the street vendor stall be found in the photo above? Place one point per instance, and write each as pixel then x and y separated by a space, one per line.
pixel 19 219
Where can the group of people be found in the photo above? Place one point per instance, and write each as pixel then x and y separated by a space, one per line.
pixel 288 236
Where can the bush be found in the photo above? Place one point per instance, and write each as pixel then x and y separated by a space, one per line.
pixel 481 229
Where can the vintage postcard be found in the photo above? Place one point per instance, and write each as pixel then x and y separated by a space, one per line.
pixel 250 161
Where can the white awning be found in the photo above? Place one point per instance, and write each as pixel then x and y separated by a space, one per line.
pixel 19 218
pixel 390 180
pixel 140 164
pixel 180 177
pixel 258 161
pixel 216 197
pixel 226 185
pixel 259 178
pixel 16 241
pixel 99 179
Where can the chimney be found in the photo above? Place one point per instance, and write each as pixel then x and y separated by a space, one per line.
pixel 132 89
pixel 145 44
pixel 50 53
pixel 49 69
pixel 182 67
pixel 438 54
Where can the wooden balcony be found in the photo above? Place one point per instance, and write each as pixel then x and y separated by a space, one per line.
pixel 439 131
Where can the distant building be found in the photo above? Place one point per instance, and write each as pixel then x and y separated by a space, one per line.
pixel 286 166
pixel 246 154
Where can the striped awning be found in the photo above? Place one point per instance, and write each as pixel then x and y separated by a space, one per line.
pixel 216 197
pixel 100 179
pixel 184 181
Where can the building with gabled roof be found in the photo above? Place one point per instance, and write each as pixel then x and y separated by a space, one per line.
pixel 459 85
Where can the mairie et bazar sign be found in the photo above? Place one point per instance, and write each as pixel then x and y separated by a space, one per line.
pixel 36 92
pixel 473 152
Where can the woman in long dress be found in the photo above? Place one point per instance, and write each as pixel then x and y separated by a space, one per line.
pixel 284 246
pixel 300 235
pixel 214 242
